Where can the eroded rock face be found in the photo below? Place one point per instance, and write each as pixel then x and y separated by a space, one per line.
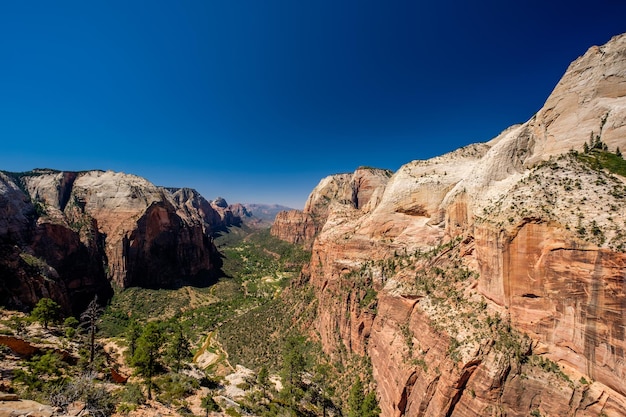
pixel 73 235
pixel 539 327
pixel 15 209
pixel 561 292
pixel 361 190
pixel 294 226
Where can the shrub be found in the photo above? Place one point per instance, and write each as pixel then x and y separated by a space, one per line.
pixel 173 387
pixel 98 401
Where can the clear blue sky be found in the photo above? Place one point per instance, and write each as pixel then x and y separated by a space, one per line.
pixel 256 101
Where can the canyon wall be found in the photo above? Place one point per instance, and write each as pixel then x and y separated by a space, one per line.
pixel 361 190
pixel 488 281
pixel 70 236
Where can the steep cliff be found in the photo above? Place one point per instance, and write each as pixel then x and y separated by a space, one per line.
pixel 70 235
pixel 361 190
pixel 488 281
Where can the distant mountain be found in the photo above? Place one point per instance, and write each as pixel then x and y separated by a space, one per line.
pixel 266 212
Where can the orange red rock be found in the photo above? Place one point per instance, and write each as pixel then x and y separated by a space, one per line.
pixel 544 236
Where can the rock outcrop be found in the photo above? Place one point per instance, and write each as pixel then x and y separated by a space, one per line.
pixel 488 281
pixel 70 235
pixel 294 226
pixel 361 190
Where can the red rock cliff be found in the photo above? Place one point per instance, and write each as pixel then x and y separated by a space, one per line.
pixel 72 235
pixel 488 281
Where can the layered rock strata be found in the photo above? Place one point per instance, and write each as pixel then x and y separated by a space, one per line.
pixel 488 281
pixel 69 235
pixel 360 190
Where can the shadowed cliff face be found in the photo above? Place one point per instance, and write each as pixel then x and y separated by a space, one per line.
pixel 70 236
pixel 161 251
pixel 489 281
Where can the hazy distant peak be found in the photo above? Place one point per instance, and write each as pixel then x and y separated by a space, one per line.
pixel 220 202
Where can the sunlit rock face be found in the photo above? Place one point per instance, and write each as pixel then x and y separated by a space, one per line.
pixel 538 325
pixel 294 226
pixel 361 190
pixel 72 235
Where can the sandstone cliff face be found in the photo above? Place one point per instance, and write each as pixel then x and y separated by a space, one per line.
pixel 14 209
pixel 294 226
pixel 488 281
pixel 361 190
pixel 72 235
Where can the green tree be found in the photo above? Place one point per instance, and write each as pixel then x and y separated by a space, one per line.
pixel 179 348
pixel 597 143
pixel 133 332
pixel 618 152
pixel 46 311
pixel 262 379
pixel 370 406
pixel 41 373
pixel 70 324
pixel 209 404
pixel 356 399
pixel 324 391
pixel 361 404
pixel 293 367
pixel 130 396
pixel 147 353
pixel 18 324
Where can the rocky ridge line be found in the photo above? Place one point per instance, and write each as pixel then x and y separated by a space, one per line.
pixel 487 281
pixel 72 235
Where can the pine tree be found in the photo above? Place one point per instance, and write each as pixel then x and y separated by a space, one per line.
pixel 293 367
pixel 133 332
pixel 356 399
pixel 597 144
pixel 147 353
pixel 618 152
pixel 262 379
pixel 209 404
pixel 46 311
pixel 370 406
pixel 324 390
pixel 360 404
pixel 70 324
pixel 179 348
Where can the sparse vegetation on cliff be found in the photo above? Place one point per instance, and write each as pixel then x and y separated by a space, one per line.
pixel 583 192
pixel 243 313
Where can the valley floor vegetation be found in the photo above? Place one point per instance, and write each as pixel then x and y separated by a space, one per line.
pixel 243 345
pixel 235 348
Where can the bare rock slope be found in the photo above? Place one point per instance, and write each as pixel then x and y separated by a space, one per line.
pixel 488 281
